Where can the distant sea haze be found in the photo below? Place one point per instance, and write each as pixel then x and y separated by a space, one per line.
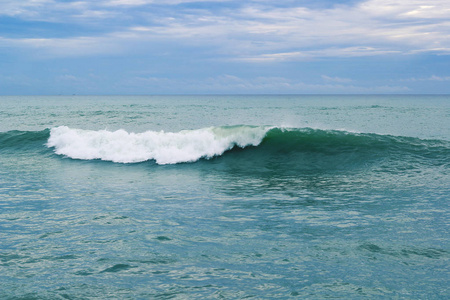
pixel 199 197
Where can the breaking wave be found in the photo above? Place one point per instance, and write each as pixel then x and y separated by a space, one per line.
pixel 163 147
pixel 242 144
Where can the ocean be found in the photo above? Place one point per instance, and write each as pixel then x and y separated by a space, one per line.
pixel 225 197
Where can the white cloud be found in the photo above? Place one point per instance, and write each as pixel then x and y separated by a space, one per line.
pixel 336 79
pixel 264 34
pixel 375 27
pixel 27 8
pixel 255 32
pixel 127 2
pixel 430 78
pixel 264 84
pixel 63 47
pixel 412 9
pixel 320 53
pixel 147 2
pixel 438 78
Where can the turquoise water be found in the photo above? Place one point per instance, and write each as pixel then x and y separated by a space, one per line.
pixel 205 197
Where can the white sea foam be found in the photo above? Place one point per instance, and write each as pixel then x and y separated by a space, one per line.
pixel 163 147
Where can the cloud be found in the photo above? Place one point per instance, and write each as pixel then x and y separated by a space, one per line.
pixel 431 78
pixel 438 78
pixel 253 31
pixel 413 9
pixel 373 27
pixel 158 2
pixel 336 79
pixel 227 83
pixel 308 55
pixel 66 47
pixel 127 2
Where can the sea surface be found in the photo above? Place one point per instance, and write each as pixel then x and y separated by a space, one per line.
pixel 225 197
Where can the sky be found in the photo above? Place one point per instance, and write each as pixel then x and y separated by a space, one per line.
pixel 51 47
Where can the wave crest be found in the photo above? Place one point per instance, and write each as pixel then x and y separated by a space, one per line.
pixel 163 147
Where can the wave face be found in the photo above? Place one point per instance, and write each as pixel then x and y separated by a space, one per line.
pixel 23 140
pixel 305 147
pixel 163 147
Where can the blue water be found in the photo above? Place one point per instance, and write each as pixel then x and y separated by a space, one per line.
pixel 229 197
